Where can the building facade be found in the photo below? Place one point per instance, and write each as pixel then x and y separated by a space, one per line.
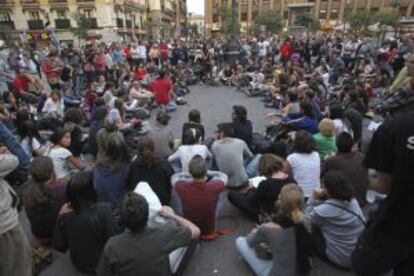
pixel 196 21
pixel 329 12
pixel 166 18
pixel 39 21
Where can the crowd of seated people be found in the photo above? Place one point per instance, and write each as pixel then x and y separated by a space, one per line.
pixel 124 197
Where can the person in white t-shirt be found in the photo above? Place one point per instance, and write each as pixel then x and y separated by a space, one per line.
pixel 263 44
pixel 63 160
pixel 54 106
pixel 190 148
pixel 29 139
pixel 305 163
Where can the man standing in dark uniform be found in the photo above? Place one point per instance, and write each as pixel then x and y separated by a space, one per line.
pixel 387 244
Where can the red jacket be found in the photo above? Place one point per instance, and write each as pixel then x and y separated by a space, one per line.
pixel 140 74
pixel 199 202
pixel 164 50
pixel 286 50
pixel 20 83
pixel 162 90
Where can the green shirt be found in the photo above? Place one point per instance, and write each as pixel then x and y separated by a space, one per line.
pixel 325 145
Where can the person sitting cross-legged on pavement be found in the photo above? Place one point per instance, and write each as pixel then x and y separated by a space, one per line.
pixel 143 250
pixel 199 194
pixel 334 219
pixel 257 202
pixel 231 156
pixel 285 238
pixel 83 225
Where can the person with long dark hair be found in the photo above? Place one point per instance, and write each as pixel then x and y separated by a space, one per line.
pixel 30 139
pixel 110 173
pixel 83 225
pixel 304 163
pixel 191 147
pixel 147 167
pixel 43 197
pixel 285 237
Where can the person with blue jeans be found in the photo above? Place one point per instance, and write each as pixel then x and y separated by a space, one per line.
pixel 233 157
pixel 9 140
pixel 282 244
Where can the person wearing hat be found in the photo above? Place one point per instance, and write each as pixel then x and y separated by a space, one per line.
pixel 325 140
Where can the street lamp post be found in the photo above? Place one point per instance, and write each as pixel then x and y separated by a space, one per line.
pixel 234 19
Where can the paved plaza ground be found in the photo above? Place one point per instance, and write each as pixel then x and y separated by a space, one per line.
pixel 217 257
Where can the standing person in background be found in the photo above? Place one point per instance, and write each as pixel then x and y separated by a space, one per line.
pixel 387 243
pixel 14 248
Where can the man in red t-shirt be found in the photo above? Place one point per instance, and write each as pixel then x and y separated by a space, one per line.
pixel 198 196
pixel 21 84
pixel 164 51
pixel 162 89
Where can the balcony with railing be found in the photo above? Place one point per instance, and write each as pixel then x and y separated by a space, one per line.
pixel 62 24
pixel 92 23
pixel 35 24
pixel 58 3
pixel 7 3
pixel 7 25
pixel 29 2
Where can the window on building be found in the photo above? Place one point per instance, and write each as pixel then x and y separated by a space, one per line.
pixel 322 14
pixel 34 15
pixel 244 16
pixel 334 14
pixel 61 14
pixel 5 16
pixel 215 18
pixel 88 13
pixel 285 15
pixel 402 11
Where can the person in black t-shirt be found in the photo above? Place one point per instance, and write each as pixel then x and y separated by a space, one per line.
pixel 388 242
pixel 243 128
pixel 83 225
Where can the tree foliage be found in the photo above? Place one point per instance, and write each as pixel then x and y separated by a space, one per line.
pixel 361 19
pixel 83 25
pixel 307 20
pixel 226 25
pixel 270 19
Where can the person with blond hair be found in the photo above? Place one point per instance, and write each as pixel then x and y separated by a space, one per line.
pixel 283 240
pixel 325 140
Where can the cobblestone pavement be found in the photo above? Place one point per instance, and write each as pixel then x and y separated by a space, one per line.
pixel 217 257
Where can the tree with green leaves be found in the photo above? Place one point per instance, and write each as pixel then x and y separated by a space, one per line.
pixel 270 19
pixel 360 19
pixel 308 21
pixel 388 18
pixel 83 25
pixel 226 26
